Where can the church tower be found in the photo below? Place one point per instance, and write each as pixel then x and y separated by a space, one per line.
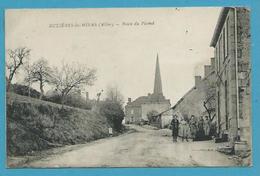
pixel 136 111
pixel 157 90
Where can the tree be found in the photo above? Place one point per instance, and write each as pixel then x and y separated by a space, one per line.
pixel 14 61
pixel 71 76
pixel 114 113
pixel 210 101
pixel 152 116
pixel 113 94
pixel 39 72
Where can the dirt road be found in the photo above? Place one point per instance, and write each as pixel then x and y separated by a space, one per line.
pixel 143 148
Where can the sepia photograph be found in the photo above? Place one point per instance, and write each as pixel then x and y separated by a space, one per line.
pixel 128 87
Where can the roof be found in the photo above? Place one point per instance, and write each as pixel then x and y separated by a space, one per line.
pixel 139 101
pixel 181 99
pixel 150 99
pixel 219 25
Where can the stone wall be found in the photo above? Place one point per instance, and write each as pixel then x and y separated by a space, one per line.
pixel 159 107
pixel 244 69
pixel 133 114
pixel 234 101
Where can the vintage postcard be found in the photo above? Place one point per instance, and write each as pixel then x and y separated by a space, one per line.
pixel 128 87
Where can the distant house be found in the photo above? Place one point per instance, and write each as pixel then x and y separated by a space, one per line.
pixel 199 100
pixel 136 111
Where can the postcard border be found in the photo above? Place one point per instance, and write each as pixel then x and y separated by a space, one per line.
pixel 255 25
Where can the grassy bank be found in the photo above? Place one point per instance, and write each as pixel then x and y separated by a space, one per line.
pixel 34 125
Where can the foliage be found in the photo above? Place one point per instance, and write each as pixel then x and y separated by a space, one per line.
pixel 24 90
pixel 72 100
pixel 151 115
pixel 113 111
pixel 35 125
pixel 79 102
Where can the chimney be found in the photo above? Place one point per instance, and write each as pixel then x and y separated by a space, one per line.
pixel 87 96
pixel 129 100
pixel 212 63
pixel 197 81
pixel 207 70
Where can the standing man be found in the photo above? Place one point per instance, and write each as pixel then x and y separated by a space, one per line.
pixel 201 132
pixel 175 127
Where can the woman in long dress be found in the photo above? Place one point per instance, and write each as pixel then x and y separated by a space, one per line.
pixel 206 126
pixel 184 129
pixel 193 127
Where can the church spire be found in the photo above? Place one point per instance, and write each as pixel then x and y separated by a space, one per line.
pixel 157 80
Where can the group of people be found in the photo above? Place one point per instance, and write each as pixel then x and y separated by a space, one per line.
pixel 190 128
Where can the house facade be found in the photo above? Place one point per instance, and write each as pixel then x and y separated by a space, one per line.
pixel 200 99
pixel 231 43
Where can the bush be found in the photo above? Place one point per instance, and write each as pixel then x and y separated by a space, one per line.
pixel 71 100
pixel 152 116
pixel 114 113
pixel 24 90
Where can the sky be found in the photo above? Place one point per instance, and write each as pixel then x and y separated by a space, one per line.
pixel 120 43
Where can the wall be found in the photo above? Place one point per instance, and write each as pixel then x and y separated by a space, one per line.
pixel 227 110
pixel 192 102
pixel 226 71
pixel 166 118
pixel 133 114
pixel 244 70
pixel 159 107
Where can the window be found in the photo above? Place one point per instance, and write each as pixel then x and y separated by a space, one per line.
pixel 226 104
pixel 219 52
pixel 216 56
pixel 225 40
pixel 219 115
pixel 239 53
pixel 227 35
pixel 224 43
pixel 239 33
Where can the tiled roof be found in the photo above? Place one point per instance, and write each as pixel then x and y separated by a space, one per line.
pixel 139 101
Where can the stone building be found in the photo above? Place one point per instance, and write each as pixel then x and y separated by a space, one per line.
pixel 200 99
pixel 136 111
pixel 231 42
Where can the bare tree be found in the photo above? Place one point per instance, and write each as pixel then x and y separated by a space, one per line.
pixel 39 72
pixel 72 76
pixel 210 101
pixel 113 94
pixel 14 61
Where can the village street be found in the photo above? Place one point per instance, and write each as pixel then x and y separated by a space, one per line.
pixel 144 148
